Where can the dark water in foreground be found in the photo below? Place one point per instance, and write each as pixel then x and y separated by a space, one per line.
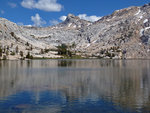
pixel 75 86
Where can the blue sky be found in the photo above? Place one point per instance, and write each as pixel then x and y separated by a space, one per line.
pixel 48 12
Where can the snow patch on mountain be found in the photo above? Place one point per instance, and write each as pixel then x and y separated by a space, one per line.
pixel 145 21
pixel 139 11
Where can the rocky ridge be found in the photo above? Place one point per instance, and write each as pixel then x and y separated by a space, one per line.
pixel 125 34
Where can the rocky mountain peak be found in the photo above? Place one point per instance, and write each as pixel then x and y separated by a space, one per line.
pixel 74 22
pixel 72 17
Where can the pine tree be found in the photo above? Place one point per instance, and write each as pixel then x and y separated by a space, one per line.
pixel 21 53
pixel 29 56
pixel 17 49
pixel 1 51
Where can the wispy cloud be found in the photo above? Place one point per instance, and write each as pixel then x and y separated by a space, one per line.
pixel 37 20
pixel 53 22
pixel 12 5
pixel 21 24
pixel 2 11
pixel 45 5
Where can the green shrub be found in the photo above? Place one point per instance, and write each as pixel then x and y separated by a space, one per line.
pixel 28 56
pixel 42 51
pixel 46 50
pixel 17 49
pixel 4 57
pixel 12 34
pixel 12 53
pixel 21 53
pixel 27 44
pixel 63 50
pixel 1 52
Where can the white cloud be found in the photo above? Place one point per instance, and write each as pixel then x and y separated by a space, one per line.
pixel 63 18
pixel 53 22
pixel 21 24
pixel 89 18
pixel 45 5
pixel 28 25
pixel 37 20
pixel 2 11
pixel 12 5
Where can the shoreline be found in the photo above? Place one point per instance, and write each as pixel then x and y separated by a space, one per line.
pixel 74 59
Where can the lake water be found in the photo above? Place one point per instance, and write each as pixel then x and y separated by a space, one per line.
pixel 75 86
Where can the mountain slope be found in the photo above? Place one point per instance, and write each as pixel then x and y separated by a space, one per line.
pixel 126 29
pixel 123 34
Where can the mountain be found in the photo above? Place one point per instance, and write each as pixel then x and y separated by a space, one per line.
pixel 73 21
pixel 125 34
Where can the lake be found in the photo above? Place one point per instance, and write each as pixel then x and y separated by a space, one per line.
pixel 75 86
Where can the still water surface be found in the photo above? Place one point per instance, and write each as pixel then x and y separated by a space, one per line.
pixel 75 86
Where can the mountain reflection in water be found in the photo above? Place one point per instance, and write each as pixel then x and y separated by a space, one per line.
pixel 75 86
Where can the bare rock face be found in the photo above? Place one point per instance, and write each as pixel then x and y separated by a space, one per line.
pixel 74 22
pixel 123 34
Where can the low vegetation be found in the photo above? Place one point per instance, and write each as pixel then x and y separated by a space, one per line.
pixel 28 56
pixel 111 52
pixel 64 51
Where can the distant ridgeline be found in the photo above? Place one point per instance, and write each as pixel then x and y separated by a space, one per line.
pixel 125 34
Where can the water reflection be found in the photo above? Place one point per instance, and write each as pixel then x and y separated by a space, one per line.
pixel 51 84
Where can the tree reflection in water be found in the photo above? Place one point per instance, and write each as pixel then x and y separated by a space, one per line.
pixel 125 83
